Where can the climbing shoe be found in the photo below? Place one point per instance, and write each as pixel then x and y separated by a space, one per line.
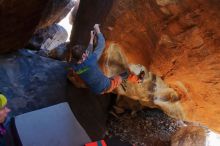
pixel 141 76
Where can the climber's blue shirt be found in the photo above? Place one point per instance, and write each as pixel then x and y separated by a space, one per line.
pixel 90 71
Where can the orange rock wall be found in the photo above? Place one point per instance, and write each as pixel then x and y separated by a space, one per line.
pixel 178 40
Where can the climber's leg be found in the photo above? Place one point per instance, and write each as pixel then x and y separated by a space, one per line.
pixel 115 82
pixel 131 77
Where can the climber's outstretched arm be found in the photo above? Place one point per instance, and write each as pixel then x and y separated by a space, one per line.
pixel 101 42
pixel 90 46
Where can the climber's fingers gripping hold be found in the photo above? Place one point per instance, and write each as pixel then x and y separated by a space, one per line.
pixel 97 29
pixel 92 34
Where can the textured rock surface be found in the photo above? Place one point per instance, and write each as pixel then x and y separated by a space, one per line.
pixel 152 92
pixel 48 38
pixel 74 12
pixel 190 136
pixel 176 40
pixel 179 41
pixel 31 81
pixel 55 11
pixel 19 19
pixel 89 13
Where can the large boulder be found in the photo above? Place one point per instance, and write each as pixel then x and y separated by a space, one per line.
pixel 89 13
pixel 194 134
pixel 176 40
pixel 55 11
pixel 48 38
pixel 152 92
pixel 31 82
pixel 20 19
pixel 190 136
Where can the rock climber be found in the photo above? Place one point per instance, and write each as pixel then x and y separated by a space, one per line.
pixel 85 63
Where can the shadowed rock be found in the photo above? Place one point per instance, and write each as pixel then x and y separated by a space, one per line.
pixel 48 38
pixel 31 82
pixel 55 11
pixel 20 19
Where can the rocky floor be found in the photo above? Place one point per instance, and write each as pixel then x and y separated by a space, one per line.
pixel 149 127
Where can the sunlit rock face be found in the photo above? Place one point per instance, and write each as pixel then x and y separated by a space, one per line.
pixel 152 92
pixel 177 41
pixel 20 19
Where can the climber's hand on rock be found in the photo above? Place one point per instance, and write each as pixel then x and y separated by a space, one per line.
pixel 92 35
pixel 97 29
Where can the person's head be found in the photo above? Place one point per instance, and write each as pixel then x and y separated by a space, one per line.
pixel 78 53
pixel 4 110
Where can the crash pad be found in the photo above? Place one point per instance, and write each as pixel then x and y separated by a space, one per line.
pixel 55 125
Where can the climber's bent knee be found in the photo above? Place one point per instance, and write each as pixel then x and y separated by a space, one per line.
pixel 115 82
